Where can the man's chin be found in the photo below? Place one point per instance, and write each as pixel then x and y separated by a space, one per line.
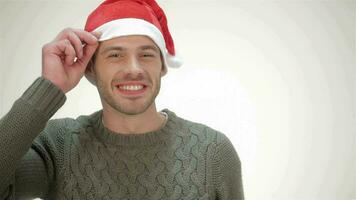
pixel 127 106
pixel 132 111
pixel 130 108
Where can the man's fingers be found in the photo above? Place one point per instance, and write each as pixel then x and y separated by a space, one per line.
pixel 81 64
pixel 76 43
pixel 78 39
pixel 89 51
pixel 66 51
pixel 97 34
pixel 71 46
pixel 72 43
pixel 86 37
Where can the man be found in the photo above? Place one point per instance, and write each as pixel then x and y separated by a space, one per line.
pixel 127 150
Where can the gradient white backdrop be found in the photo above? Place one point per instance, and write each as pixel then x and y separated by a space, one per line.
pixel 277 77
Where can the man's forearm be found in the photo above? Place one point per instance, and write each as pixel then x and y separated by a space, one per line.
pixel 25 120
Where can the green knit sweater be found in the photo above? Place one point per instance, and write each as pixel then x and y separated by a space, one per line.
pixel 81 159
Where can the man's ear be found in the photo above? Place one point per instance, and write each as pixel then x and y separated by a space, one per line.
pixel 90 72
pixel 163 70
pixel 164 67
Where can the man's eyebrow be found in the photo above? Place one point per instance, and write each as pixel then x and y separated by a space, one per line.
pixel 119 48
pixel 110 48
pixel 152 47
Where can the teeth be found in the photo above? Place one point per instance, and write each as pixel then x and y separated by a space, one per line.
pixel 131 87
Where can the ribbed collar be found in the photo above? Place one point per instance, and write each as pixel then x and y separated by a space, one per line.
pixel 149 138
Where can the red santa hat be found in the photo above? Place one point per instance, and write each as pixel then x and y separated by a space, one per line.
pixel 115 18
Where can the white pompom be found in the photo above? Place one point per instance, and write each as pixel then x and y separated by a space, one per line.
pixel 174 61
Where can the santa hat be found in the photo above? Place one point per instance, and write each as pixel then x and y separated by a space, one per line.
pixel 114 18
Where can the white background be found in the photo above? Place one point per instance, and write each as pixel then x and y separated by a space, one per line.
pixel 277 77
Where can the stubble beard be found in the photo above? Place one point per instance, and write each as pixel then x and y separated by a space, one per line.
pixel 107 96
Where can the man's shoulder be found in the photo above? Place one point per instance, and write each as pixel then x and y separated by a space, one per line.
pixel 56 129
pixel 67 125
pixel 197 129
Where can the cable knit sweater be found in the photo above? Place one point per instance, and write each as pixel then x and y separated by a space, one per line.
pixel 81 159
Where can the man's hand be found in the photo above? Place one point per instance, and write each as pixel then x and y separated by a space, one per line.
pixel 58 64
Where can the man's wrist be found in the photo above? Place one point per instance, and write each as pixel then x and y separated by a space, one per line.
pixel 44 96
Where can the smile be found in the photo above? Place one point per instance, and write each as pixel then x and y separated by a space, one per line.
pixel 131 87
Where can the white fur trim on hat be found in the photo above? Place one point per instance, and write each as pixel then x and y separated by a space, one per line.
pixel 134 26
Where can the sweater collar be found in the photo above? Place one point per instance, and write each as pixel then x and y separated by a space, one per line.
pixel 149 138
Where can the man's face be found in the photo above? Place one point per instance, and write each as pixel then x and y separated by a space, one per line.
pixel 128 73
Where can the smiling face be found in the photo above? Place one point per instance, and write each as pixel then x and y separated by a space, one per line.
pixel 127 72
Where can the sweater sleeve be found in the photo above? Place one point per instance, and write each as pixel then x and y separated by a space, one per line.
pixel 227 178
pixel 22 164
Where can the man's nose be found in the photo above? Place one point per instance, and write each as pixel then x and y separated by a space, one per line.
pixel 133 67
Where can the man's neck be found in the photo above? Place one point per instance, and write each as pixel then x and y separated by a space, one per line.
pixel 148 121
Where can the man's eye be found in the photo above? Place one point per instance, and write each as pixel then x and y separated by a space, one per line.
pixel 148 55
pixel 115 55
